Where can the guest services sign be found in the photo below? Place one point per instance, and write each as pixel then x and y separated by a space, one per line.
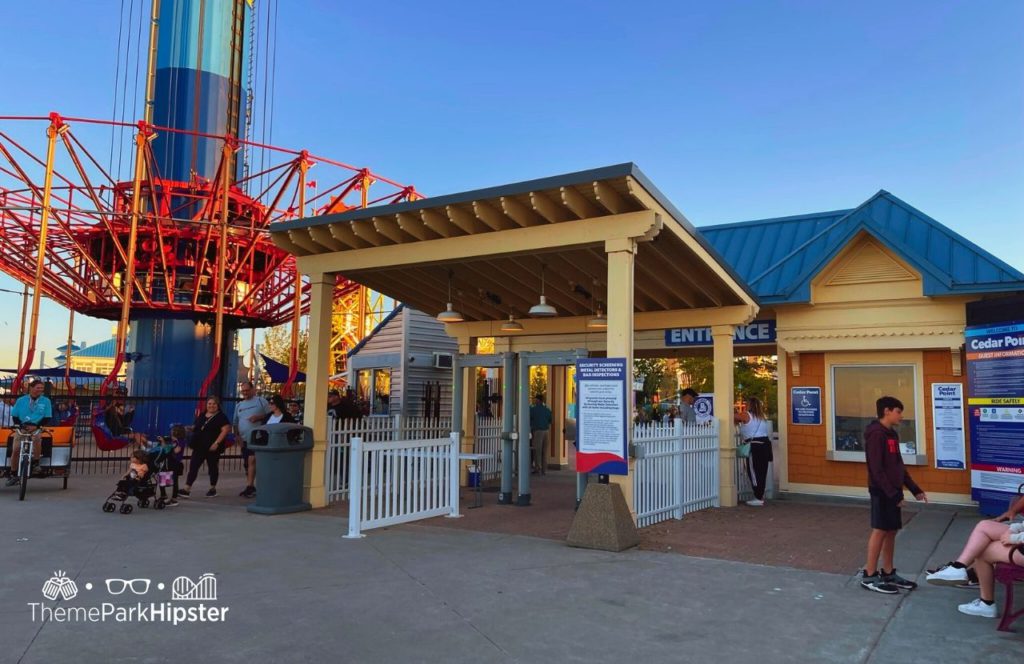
pixel 602 425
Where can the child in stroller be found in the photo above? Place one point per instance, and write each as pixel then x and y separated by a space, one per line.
pixel 136 483
pixel 165 457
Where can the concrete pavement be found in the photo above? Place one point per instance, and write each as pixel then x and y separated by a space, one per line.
pixel 297 591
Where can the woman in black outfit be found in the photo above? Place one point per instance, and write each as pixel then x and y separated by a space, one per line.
pixel 209 432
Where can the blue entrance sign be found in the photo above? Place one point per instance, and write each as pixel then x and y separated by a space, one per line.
pixel 603 416
pixel 806 405
pixel 757 332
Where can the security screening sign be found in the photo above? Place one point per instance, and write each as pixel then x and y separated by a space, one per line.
pixel 995 402
pixel 603 416
pixel 757 332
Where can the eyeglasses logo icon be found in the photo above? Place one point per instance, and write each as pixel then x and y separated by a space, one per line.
pixel 118 586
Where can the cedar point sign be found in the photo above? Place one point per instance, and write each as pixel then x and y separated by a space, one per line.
pixel 757 332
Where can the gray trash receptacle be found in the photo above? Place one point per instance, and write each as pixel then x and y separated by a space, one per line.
pixel 280 451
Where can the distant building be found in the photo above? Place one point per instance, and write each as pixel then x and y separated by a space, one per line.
pixel 98 358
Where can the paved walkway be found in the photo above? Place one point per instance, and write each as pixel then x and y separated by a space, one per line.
pixel 297 591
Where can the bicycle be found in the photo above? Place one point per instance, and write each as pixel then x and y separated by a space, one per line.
pixel 23 470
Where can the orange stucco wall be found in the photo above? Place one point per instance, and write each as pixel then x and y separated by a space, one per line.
pixel 806 444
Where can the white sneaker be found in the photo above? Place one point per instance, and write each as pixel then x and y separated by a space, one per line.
pixel 755 503
pixel 979 608
pixel 947 575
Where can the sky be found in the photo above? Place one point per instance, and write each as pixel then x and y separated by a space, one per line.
pixel 736 110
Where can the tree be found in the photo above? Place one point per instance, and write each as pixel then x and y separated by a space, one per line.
pixel 277 345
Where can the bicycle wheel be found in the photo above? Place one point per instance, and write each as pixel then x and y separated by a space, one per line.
pixel 26 468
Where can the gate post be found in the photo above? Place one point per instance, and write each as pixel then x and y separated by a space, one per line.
pixel 508 407
pixel 355 487
pixel 453 476
pixel 678 449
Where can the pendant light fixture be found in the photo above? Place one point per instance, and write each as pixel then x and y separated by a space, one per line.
pixel 599 321
pixel 449 315
pixel 511 325
pixel 542 309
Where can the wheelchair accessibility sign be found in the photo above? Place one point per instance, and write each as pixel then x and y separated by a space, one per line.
pixel 806 405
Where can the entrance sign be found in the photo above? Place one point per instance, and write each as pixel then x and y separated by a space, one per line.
pixel 757 332
pixel 806 403
pixel 704 406
pixel 948 426
pixel 602 425
pixel 995 400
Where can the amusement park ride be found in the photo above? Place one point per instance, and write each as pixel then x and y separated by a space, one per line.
pixel 177 252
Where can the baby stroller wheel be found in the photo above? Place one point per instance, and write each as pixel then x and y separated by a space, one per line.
pixel 160 504
pixel 108 507
pixel 126 509
pixel 144 502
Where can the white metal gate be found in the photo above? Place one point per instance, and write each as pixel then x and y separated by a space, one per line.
pixel 676 470
pixel 401 481
pixel 488 441
pixel 371 430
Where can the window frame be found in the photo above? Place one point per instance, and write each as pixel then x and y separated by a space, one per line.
pixel 913 361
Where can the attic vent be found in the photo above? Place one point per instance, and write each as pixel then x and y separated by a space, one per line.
pixel 868 264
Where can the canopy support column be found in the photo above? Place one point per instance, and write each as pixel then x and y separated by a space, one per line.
pixel 722 336
pixel 318 371
pixel 621 256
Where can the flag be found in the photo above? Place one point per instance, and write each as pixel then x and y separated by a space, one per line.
pixel 311 184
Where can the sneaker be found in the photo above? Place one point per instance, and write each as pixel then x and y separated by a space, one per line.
pixel 898 581
pixel 184 493
pixel 209 494
pixel 173 502
pixel 13 480
pixel 755 503
pixel 972 580
pixel 875 582
pixel 947 575
pixel 979 608
pixel 248 492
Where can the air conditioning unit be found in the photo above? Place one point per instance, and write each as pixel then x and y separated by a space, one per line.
pixel 443 360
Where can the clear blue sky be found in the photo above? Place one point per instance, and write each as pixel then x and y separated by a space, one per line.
pixel 737 110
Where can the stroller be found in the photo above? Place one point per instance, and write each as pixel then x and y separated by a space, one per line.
pixel 143 491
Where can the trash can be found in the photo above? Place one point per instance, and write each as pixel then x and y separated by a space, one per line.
pixel 280 451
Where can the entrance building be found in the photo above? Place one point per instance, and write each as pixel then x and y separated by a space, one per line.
pixel 855 303
pixel 604 238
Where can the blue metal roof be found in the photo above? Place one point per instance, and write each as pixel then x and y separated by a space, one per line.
pixel 780 257
pixel 102 349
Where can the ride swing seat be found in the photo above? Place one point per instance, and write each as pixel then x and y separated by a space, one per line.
pixel 105 439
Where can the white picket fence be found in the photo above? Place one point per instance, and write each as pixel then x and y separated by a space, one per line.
pixel 488 441
pixel 676 470
pixel 371 430
pixel 400 481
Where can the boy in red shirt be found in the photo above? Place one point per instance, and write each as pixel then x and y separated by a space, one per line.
pixel 886 478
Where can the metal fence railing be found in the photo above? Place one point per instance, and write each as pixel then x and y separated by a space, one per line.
pixel 371 430
pixel 676 470
pixel 399 481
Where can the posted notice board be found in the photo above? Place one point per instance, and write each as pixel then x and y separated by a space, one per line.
pixel 602 425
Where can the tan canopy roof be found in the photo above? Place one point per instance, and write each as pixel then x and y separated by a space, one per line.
pixel 495 242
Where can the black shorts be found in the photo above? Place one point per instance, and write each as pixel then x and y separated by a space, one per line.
pixel 886 513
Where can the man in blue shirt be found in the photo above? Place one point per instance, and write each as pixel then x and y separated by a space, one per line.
pixel 540 424
pixel 31 411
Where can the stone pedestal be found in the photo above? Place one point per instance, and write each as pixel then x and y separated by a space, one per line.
pixel 603 521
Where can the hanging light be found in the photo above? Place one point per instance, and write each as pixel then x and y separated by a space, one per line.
pixel 511 325
pixel 449 315
pixel 542 309
pixel 599 321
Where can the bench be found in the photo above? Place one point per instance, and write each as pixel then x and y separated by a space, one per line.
pixel 1008 574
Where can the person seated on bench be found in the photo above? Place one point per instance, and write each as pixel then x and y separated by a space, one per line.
pixel 990 542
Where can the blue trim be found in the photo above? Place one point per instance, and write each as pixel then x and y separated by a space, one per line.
pixel 380 326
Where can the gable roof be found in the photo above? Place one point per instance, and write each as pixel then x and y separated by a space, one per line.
pixel 780 257
pixel 380 326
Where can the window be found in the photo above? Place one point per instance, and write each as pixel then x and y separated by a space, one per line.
pixel 854 392
pixel 373 387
